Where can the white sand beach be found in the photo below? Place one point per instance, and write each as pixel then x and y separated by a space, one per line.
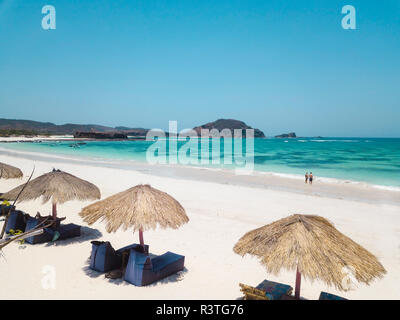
pixel 35 138
pixel 221 207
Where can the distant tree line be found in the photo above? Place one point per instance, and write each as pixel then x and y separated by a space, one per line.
pixel 21 132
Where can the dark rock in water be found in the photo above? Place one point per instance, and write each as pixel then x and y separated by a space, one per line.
pixel 229 124
pixel 138 132
pixel 286 135
pixel 100 135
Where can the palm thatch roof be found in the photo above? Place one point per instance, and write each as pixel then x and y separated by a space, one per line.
pixel 9 172
pixel 56 185
pixel 141 208
pixel 314 245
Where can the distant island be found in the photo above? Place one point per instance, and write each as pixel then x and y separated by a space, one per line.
pixel 230 124
pixel 12 127
pixel 286 135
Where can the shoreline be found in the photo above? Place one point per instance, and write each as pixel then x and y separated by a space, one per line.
pixel 221 208
pixel 321 187
pixel 328 179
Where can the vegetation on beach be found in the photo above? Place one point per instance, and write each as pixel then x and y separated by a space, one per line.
pixel 21 132
pixel 17 233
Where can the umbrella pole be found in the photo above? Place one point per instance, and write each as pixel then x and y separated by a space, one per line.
pixel 54 211
pixel 298 284
pixel 141 237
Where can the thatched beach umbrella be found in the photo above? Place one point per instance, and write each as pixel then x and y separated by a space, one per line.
pixel 313 246
pixel 9 172
pixel 140 208
pixel 57 186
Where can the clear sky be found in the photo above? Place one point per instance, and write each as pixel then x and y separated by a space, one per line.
pixel 279 65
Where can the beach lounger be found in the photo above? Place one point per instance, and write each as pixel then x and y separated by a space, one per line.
pixel 46 236
pixel 143 270
pixel 104 258
pixel 329 296
pixel 68 231
pixel 275 290
pixel 266 290
pixel 5 209
pixel 49 233
pixel 132 246
pixel 16 221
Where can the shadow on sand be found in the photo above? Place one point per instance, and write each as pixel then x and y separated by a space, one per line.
pixel 176 277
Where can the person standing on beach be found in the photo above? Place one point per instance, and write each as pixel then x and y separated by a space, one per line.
pixel 306 176
pixel 310 178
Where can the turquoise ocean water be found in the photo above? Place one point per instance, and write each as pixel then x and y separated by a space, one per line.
pixel 371 160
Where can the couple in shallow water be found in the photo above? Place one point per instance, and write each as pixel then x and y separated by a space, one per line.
pixel 309 177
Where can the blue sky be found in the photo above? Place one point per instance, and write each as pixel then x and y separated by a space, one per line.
pixel 278 65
